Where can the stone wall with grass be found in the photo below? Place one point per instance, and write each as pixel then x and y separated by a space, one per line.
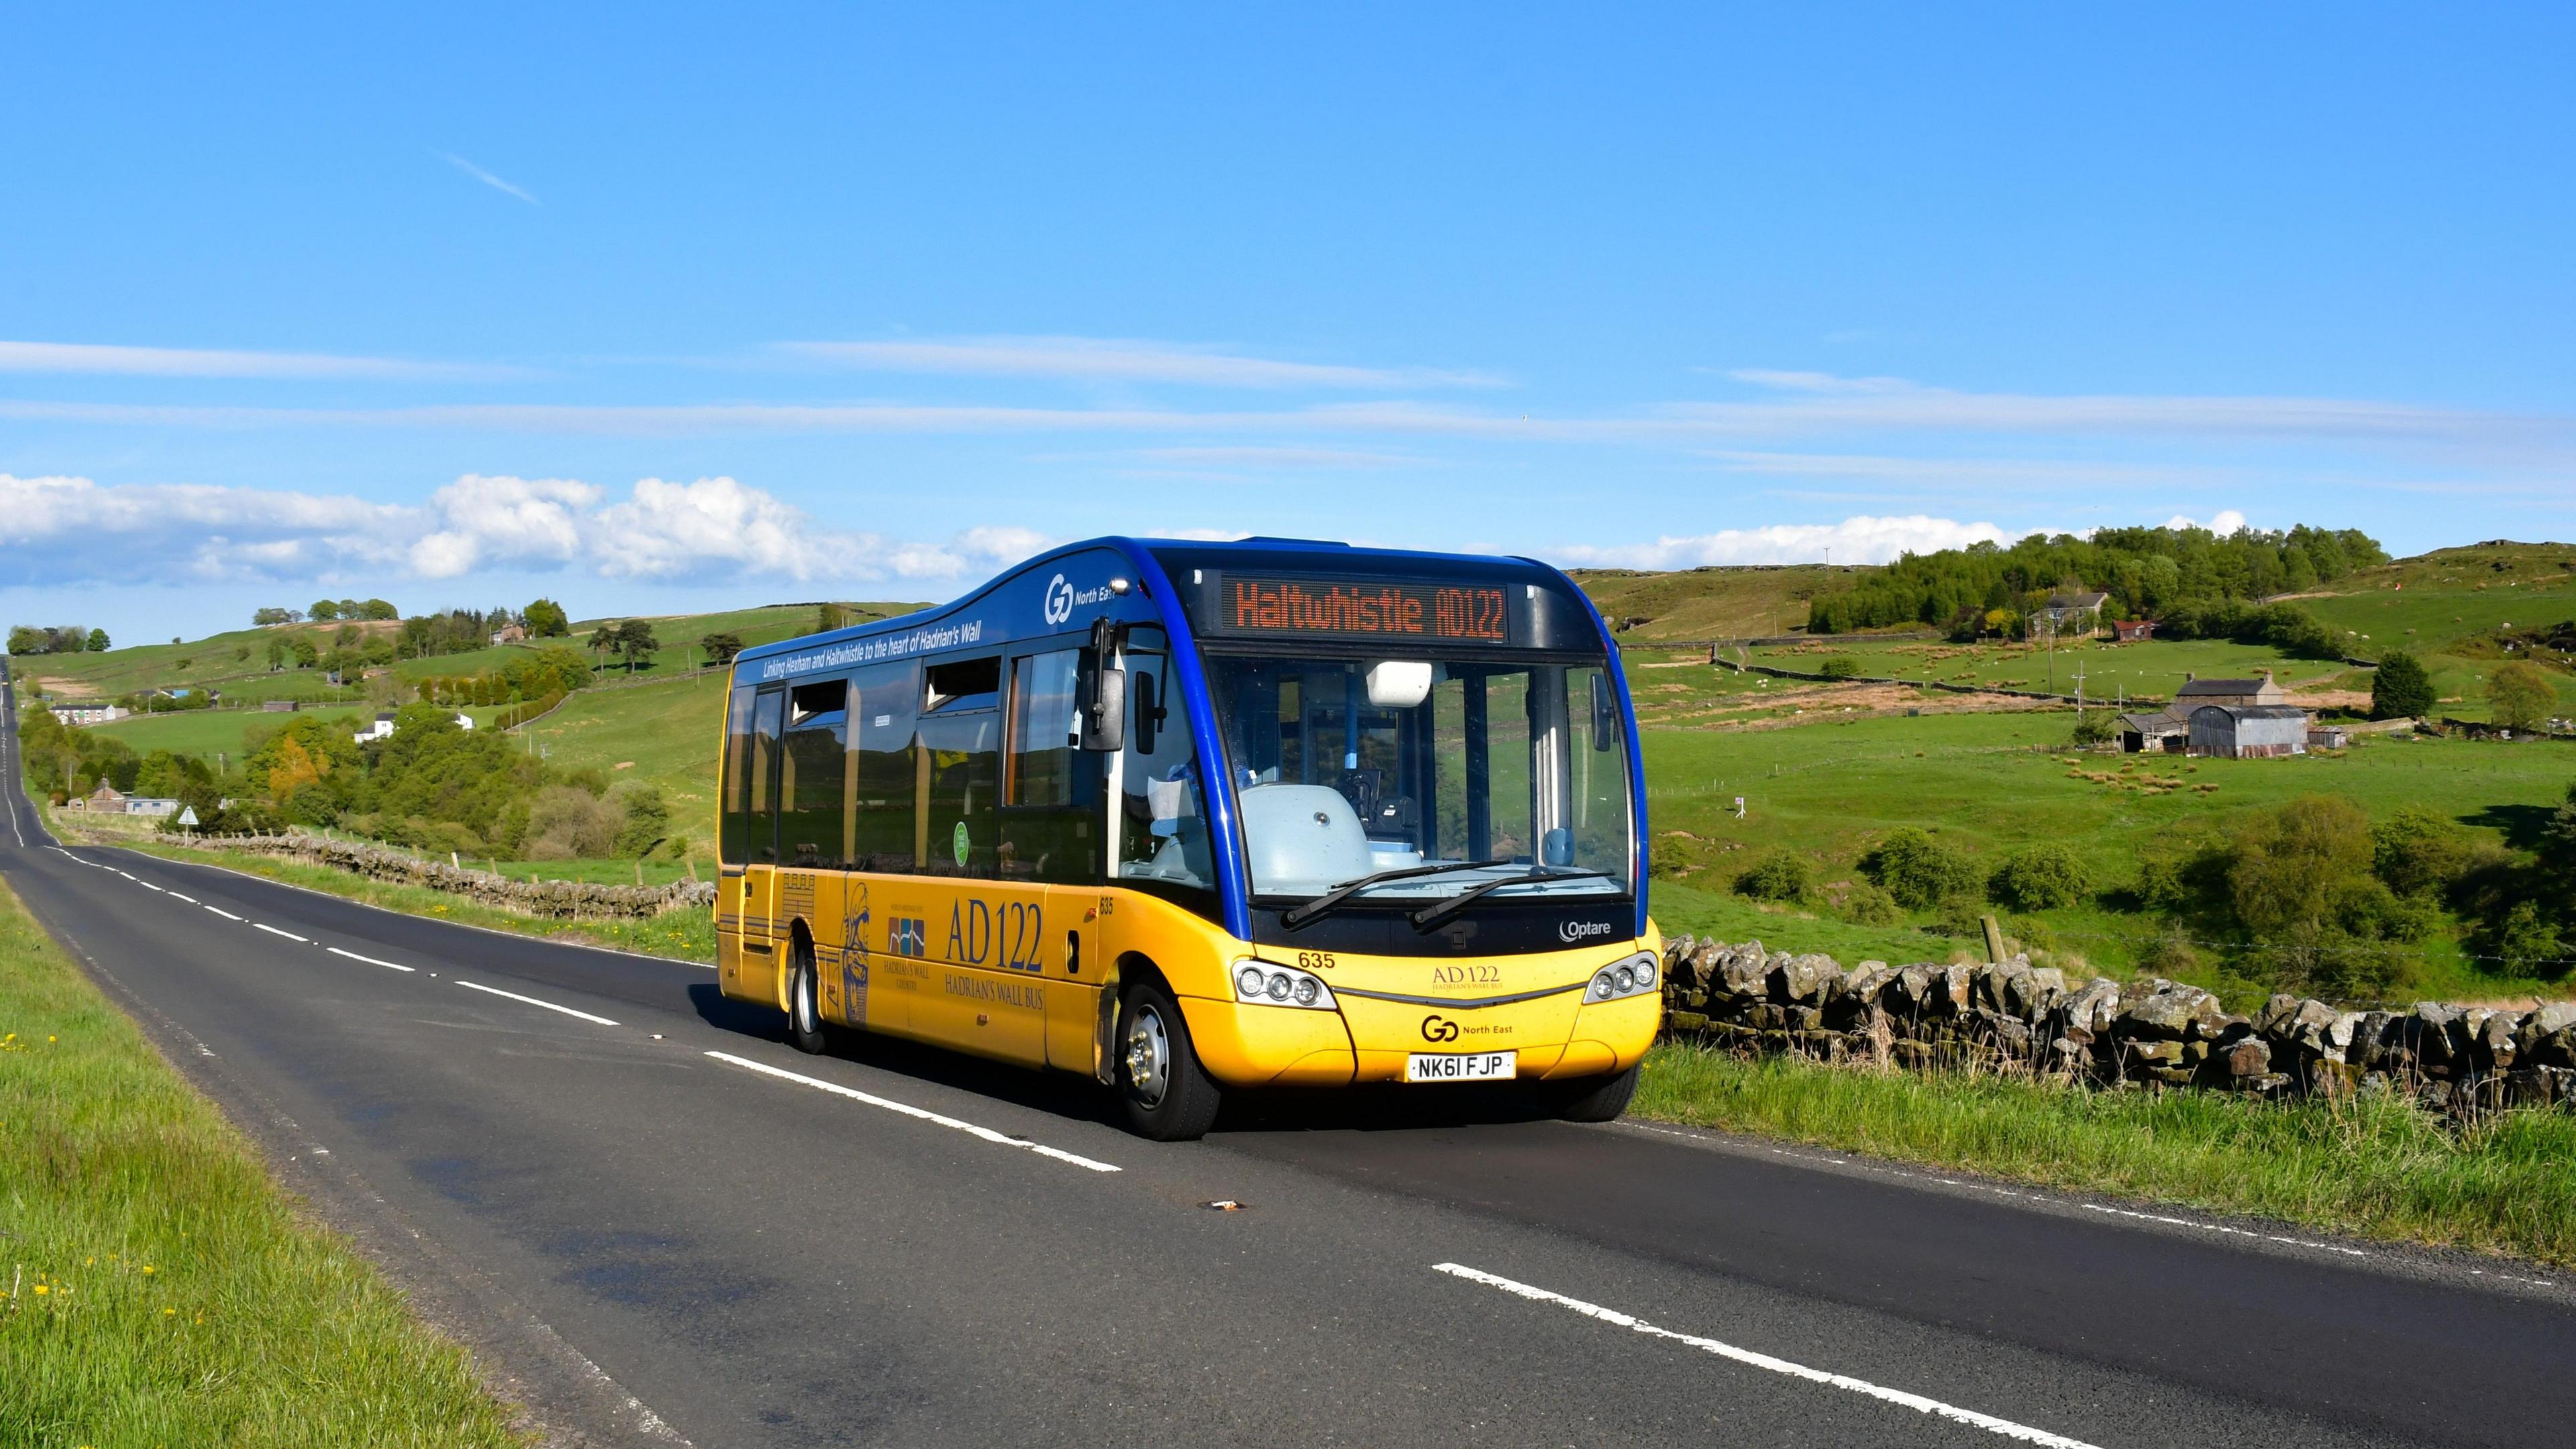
pixel 2019 1019
pixel 562 900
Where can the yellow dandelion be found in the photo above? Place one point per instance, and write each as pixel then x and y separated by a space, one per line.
pixel 89 1262
pixel 169 1312
pixel 148 1268
pixel 42 1290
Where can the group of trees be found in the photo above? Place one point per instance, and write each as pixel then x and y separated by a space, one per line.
pixel 553 670
pixel 631 641
pixel 2520 695
pixel 434 786
pixel 62 639
pixel 543 618
pixel 2148 572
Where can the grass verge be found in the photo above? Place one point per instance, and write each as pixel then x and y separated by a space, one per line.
pixel 160 1289
pixel 2371 1168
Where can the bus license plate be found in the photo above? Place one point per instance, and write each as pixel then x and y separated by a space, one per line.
pixel 1460 1067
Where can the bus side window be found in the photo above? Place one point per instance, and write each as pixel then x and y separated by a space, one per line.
pixel 1163 831
pixel 813 768
pixel 762 810
pixel 887 703
pixel 1051 823
pixel 960 739
pixel 735 834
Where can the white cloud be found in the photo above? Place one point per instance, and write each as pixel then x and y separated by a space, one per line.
pixel 1105 359
pixel 101 359
pixel 66 531
pixel 486 177
pixel 500 519
pixel 1855 540
pixel 2227 521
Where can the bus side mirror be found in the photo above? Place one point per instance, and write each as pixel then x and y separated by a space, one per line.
pixel 1605 713
pixel 1100 699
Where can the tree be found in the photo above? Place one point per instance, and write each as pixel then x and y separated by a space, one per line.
pixel 2520 696
pixel 2094 728
pixel 24 640
pixel 307 653
pixel 604 638
pixel 98 641
pixel 263 618
pixel 378 609
pixel 635 642
pixel 720 648
pixel 1779 875
pixel 2400 689
pixel 324 610
pixel 276 655
pixel 2290 865
pixel 546 620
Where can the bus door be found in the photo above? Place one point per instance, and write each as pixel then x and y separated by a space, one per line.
pixel 762 952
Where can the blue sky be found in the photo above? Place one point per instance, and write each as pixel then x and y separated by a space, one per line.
pixel 667 309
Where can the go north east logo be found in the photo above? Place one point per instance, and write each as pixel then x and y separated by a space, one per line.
pixel 1062 597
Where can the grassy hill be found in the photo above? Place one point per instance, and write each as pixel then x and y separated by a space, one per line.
pixel 2451 606
pixel 1713 603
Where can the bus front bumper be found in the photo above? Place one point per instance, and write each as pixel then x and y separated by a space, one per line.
pixel 1370 1040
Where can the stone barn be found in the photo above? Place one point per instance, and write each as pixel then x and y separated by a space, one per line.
pixel 2248 731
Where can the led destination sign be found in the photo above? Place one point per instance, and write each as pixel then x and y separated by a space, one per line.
pixel 1363 608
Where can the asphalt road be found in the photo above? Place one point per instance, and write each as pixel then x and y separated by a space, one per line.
pixel 658 1223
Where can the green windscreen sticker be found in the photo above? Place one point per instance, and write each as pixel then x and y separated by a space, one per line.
pixel 960 843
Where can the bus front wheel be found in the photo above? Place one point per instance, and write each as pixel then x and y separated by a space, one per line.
pixel 804 1017
pixel 1595 1099
pixel 1168 1096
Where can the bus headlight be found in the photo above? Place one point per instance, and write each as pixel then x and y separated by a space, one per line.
pixel 1633 976
pixel 1266 983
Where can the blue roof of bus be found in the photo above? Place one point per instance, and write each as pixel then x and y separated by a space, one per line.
pixel 1164 550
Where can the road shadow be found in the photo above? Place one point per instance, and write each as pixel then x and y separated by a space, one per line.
pixel 1079 1099
pixel 1059 1094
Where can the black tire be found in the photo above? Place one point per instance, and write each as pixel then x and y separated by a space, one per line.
pixel 805 1029
pixel 1595 1099
pixel 1168 1096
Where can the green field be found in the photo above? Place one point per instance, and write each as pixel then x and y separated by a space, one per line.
pixel 663 734
pixel 1832 788
pixel 1712 603
pixel 158 1288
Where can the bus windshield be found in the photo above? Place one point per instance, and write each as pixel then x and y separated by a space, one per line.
pixel 1349 767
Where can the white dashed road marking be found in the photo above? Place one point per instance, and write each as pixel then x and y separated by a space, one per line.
pixel 514 996
pixel 998 1139
pixel 272 930
pixel 1921 1405
pixel 227 915
pixel 370 960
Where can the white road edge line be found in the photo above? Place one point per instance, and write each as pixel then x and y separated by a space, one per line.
pixel 272 930
pixel 998 1139
pixel 1988 1422
pixel 370 960
pixel 514 996
pixel 227 915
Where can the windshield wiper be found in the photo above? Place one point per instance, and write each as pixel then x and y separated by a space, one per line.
pixel 1431 916
pixel 1297 916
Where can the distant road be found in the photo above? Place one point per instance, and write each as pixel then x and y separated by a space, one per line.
pixel 662 1225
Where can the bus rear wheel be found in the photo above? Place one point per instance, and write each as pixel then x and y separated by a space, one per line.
pixel 1168 1096
pixel 804 1015
pixel 1594 1099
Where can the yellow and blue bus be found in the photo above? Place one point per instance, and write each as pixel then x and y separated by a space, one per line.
pixel 1198 817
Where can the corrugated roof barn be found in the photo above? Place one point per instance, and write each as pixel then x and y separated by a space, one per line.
pixel 2248 731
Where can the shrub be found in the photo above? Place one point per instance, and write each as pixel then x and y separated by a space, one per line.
pixel 2095 727
pixel 1841 666
pixel 646 819
pixel 1918 869
pixel 2529 942
pixel 2520 696
pixel 2400 688
pixel 2288 864
pixel 1867 905
pixel 2419 852
pixel 1777 875
pixel 2039 878
pixel 566 822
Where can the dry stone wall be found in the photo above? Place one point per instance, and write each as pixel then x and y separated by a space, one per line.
pixel 555 899
pixel 2024 1019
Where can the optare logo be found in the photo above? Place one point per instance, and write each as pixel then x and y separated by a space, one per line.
pixel 1439 1028
pixel 1059 600
pixel 1572 931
